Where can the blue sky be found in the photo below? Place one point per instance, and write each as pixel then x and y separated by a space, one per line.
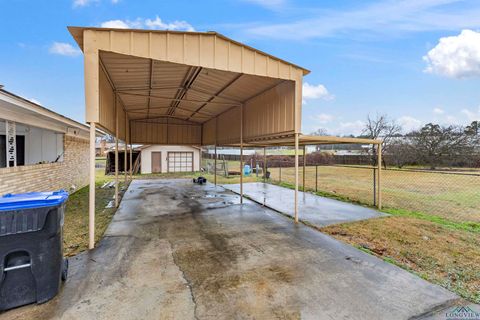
pixel 416 60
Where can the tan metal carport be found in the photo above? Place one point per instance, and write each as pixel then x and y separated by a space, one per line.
pixel 189 88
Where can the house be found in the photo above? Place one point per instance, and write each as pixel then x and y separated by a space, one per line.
pixel 40 150
pixel 167 158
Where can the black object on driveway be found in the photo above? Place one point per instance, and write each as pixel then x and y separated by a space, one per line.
pixel 200 180
pixel 32 266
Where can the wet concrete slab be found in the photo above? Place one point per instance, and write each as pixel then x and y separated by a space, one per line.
pixel 175 250
pixel 316 210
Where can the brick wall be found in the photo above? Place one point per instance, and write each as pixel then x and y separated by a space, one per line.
pixel 72 171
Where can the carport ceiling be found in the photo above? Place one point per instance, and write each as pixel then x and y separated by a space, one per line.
pixel 152 89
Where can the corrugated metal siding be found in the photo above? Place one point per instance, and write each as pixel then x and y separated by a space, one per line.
pixel 228 126
pixel 209 132
pixel 271 112
pixel 107 104
pixel 163 132
pixel 205 50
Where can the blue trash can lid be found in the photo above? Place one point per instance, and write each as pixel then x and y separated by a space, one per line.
pixel 32 200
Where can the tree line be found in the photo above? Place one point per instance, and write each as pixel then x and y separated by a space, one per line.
pixel 432 145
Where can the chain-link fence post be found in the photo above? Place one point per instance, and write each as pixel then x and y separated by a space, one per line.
pixel 374 186
pixel 316 178
pixel 279 174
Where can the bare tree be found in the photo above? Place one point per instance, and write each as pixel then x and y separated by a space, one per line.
pixel 381 127
pixel 319 132
pixel 434 143
pixel 401 152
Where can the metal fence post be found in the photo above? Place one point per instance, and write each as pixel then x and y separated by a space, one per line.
pixel 316 178
pixel 374 186
pixel 280 174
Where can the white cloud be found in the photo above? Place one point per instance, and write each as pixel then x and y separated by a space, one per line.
pixel 82 3
pixel 409 123
pixel 346 128
pixel 315 92
pixel 155 24
pixel 64 49
pixel 438 111
pixel 472 115
pixel 381 18
pixel 118 24
pixel 456 57
pixel 269 4
pixel 322 118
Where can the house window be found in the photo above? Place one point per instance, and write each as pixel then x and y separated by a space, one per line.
pixel 33 145
pixel 20 150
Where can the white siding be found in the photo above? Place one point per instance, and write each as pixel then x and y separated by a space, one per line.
pixel 42 145
pixel 146 160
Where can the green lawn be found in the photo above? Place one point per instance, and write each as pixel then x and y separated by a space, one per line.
pixel 76 215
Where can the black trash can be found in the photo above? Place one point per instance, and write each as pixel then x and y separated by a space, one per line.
pixel 32 266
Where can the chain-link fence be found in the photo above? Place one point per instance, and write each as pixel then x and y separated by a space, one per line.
pixel 453 195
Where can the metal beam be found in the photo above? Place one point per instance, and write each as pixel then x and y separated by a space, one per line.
pixel 177 99
pixel 138 110
pixel 209 101
pixel 304 164
pixel 241 154
pixel 131 148
pixel 215 168
pixel 190 78
pixel 126 152
pixel 91 189
pixel 150 89
pixel 116 153
pixel 296 177
pixel 264 164
pixel 123 90
pixel 379 164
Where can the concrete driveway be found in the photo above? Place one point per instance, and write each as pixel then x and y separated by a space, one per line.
pixel 181 251
pixel 316 210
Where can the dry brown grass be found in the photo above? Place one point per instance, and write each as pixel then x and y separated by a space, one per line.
pixel 450 258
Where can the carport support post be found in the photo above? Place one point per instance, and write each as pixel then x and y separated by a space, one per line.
pixel 116 172
pixel 296 177
pixel 116 154
pixel 125 162
pixel 241 154
pixel 264 164
pixel 215 167
pixel 91 190
pixel 125 158
pixel 131 159
pixel 379 175
pixel 304 164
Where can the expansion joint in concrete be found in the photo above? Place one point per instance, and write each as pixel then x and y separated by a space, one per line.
pixel 189 284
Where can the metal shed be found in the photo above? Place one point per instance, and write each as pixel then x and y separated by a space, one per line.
pixel 188 88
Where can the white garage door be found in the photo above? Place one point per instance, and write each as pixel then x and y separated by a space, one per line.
pixel 180 161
